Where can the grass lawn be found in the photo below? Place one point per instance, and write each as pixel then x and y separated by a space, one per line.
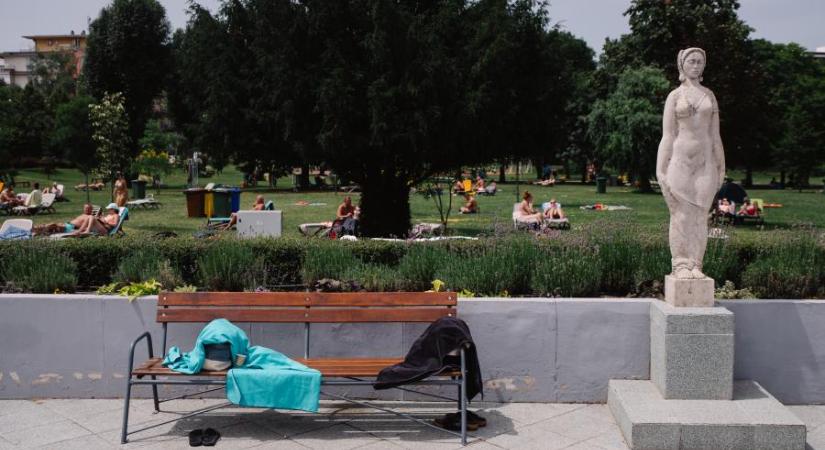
pixel 649 212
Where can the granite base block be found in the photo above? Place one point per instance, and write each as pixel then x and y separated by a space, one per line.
pixel 753 420
pixel 691 352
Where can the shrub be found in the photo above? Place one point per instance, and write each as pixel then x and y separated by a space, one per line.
pixel 418 267
pixel 327 261
pixel 567 272
pixel 722 261
pixel 229 265
pixel 791 268
pixel 36 269
pixel 147 265
pixel 503 266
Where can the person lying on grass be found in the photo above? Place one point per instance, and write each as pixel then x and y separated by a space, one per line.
pixel 233 218
pixel 553 211
pixel 748 209
pixel 66 227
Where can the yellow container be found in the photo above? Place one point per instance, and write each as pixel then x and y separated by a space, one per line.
pixel 208 204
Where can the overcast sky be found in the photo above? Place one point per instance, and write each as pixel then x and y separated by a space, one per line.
pixel 801 21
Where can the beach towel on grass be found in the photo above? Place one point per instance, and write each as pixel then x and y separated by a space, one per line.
pixel 266 379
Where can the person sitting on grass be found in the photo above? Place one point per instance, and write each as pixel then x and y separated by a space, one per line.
pixel 100 225
pixel 553 211
pixel 480 187
pixel 526 211
pixel 67 227
pixel 748 209
pixel 471 207
pixel 233 218
pixel 346 218
pixel 8 198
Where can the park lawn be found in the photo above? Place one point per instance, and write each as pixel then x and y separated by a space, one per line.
pixel 649 213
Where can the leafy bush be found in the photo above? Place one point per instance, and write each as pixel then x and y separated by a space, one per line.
pixel 792 268
pixel 36 269
pixel 503 266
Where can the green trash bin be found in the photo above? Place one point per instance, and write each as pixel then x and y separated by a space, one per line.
pixel 601 185
pixel 138 189
pixel 221 203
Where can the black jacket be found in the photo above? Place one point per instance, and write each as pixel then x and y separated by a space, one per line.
pixel 429 355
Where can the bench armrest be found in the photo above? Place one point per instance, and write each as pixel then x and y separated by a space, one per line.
pixel 146 335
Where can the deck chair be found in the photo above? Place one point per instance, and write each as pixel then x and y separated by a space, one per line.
pixel 123 213
pixel 46 204
pixel 24 225
pixel 468 186
pixel 563 224
pixel 518 223
pixel 269 206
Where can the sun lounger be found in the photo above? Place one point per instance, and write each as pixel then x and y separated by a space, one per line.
pixel 46 205
pixel 315 229
pixel 562 224
pixel 16 229
pixel 123 215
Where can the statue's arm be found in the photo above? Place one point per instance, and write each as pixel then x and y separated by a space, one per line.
pixel 669 131
pixel 718 149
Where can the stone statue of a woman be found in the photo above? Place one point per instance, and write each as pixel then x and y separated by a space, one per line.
pixel 691 163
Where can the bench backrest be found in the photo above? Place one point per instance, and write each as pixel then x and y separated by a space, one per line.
pixel 305 307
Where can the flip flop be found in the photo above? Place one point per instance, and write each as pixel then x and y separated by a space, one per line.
pixel 210 437
pixel 196 438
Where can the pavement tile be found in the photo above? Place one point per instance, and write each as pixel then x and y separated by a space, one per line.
pixel 28 416
pixel 405 433
pixel 531 437
pixel 90 442
pixel 611 439
pixel 287 425
pixel 579 425
pixel 583 446
pixel 18 406
pixel 526 413
pixel 70 408
pixel 337 437
pixel 813 416
pixel 45 434
pixel 816 439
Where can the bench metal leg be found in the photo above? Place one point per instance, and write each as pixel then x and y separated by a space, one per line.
pixel 463 400
pixel 124 430
pixel 148 337
pixel 155 394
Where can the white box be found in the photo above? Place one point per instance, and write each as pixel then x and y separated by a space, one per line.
pixel 259 223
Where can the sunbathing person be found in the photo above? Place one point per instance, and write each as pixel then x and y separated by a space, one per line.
pixel 471 207
pixel 480 188
pixel 65 227
pixel 35 197
pixel 553 211
pixel 347 216
pixel 458 187
pixel 748 209
pixel 548 182
pixel 8 198
pixel 101 225
pixel 233 218
pixel 526 211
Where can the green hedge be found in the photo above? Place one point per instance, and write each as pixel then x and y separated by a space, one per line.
pixel 601 261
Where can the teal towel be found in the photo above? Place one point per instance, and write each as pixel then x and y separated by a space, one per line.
pixel 267 379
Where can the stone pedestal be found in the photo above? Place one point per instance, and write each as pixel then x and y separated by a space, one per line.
pixel 689 293
pixel 691 352
pixel 691 400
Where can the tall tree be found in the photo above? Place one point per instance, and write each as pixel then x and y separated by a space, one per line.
pixel 73 135
pixel 627 125
pixel 127 51
pixel 659 29
pixel 111 134
pixel 9 122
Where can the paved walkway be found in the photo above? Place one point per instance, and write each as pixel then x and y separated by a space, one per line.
pixel 93 424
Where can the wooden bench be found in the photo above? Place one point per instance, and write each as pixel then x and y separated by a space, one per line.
pixel 296 307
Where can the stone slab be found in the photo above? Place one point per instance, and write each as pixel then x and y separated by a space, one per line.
pixel 753 420
pixel 689 293
pixel 691 352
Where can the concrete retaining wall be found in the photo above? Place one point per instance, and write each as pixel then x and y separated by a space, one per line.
pixel 541 350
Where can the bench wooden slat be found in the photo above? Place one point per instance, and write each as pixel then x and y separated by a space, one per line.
pixel 317 299
pixel 312 315
pixel 329 367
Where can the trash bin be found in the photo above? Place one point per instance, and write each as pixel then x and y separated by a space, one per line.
pixel 601 185
pixel 138 189
pixel 221 203
pixel 194 202
pixel 208 203
pixel 236 199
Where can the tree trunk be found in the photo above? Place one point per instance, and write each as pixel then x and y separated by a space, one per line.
pixel 88 199
pixel 502 176
pixel 748 177
pixel 539 166
pixel 644 183
pixel 303 179
pixel 385 206
pixel 782 178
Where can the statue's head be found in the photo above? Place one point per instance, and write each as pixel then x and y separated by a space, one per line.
pixel 691 63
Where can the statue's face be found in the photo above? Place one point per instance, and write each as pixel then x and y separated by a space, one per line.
pixel 694 65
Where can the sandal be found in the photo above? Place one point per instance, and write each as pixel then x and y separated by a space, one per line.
pixel 452 421
pixel 196 438
pixel 210 437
